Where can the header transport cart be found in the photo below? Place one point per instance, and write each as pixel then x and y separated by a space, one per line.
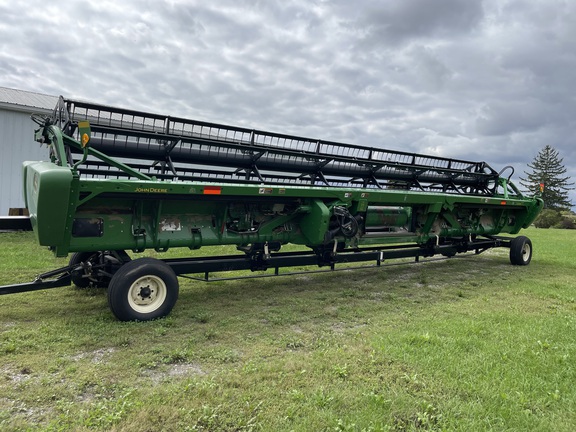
pixel 122 180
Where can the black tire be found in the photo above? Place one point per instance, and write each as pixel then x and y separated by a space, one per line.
pixel 143 290
pixel 88 265
pixel 520 251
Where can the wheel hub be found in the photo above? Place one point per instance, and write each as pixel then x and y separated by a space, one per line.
pixel 147 293
pixel 144 292
pixel 526 251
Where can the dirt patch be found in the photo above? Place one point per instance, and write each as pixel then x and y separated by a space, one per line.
pixel 185 369
pixel 19 376
pixel 96 356
pixel 176 370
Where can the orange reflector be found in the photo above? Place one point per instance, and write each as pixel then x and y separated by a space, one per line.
pixel 85 139
pixel 503 202
pixel 212 190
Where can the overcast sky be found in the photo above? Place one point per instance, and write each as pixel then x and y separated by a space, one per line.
pixel 491 80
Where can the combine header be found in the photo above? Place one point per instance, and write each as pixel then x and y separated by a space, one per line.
pixel 122 180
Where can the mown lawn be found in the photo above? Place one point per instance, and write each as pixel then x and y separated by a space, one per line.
pixel 465 344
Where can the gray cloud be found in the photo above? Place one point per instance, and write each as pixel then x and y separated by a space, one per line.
pixel 391 23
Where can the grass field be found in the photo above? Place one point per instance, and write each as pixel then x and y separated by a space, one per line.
pixel 465 344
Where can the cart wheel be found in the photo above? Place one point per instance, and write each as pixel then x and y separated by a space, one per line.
pixel 88 265
pixel 143 289
pixel 520 251
pixel 78 275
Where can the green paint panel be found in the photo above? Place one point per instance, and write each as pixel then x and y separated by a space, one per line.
pixel 48 190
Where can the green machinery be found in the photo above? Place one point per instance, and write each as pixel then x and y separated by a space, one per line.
pixel 121 180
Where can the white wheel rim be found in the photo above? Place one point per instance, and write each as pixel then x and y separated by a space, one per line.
pixel 526 252
pixel 147 294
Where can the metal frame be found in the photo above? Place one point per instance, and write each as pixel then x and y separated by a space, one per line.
pixel 163 147
pixel 262 262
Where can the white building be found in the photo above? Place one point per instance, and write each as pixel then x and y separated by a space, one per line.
pixel 17 141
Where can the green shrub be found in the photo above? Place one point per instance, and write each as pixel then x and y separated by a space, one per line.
pixel 548 218
pixel 567 223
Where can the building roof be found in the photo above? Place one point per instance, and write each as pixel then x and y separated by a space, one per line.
pixel 21 100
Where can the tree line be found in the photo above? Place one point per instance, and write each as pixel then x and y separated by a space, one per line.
pixel 547 176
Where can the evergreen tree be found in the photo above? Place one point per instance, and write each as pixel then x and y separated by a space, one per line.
pixel 547 170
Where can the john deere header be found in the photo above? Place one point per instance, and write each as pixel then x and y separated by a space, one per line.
pixel 120 180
